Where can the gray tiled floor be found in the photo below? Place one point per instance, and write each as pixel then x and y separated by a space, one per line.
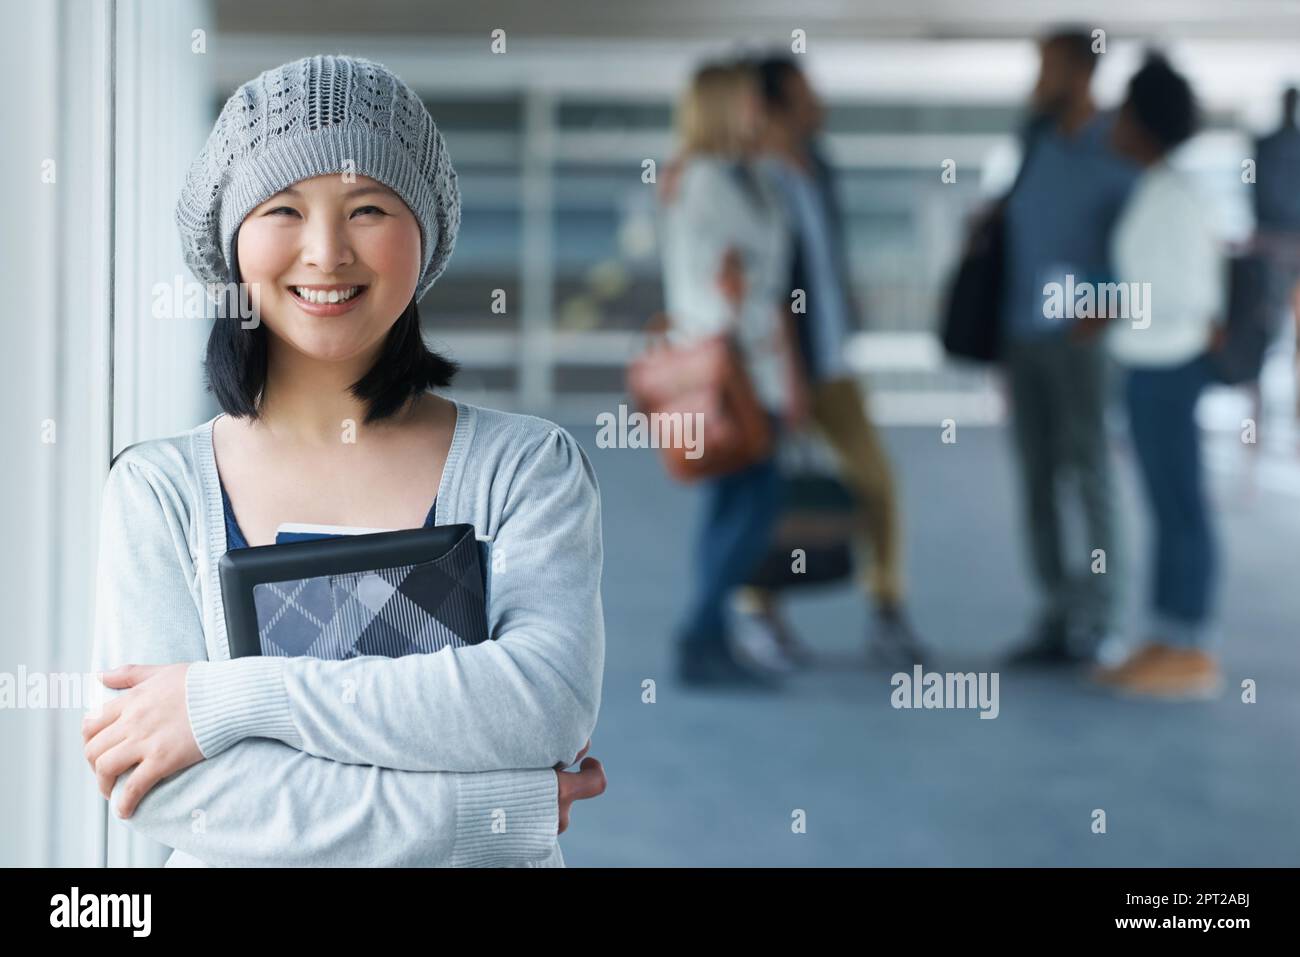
pixel 713 780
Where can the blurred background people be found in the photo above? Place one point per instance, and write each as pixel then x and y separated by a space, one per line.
pixel 1058 223
pixel 793 117
pixel 1277 208
pixel 1165 237
pixel 726 253
pixel 1277 168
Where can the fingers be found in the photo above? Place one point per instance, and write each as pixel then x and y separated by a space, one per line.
pixel 91 725
pixel 102 743
pixel 588 781
pixel 141 781
pixel 114 762
pixel 127 676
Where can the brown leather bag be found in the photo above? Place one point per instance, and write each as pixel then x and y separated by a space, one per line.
pixel 705 376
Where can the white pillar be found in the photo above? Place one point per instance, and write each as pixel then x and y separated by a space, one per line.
pixel 64 347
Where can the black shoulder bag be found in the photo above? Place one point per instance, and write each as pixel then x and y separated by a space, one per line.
pixel 972 315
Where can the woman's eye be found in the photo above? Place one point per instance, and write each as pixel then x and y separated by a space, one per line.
pixel 368 211
pixel 281 209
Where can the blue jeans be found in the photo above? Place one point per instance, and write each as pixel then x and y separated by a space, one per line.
pixel 1162 407
pixel 740 515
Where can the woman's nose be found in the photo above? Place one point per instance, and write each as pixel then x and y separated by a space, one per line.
pixel 326 247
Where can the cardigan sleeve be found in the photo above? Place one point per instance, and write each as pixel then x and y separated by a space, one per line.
pixel 527 699
pixel 262 802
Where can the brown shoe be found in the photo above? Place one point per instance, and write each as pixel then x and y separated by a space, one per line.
pixel 1176 674
pixel 1141 658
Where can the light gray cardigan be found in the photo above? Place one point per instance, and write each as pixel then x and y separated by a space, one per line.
pixel 430 759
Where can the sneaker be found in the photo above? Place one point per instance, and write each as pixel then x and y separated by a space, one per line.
pixel 1111 648
pixel 755 641
pixel 764 635
pixel 893 641
pixel 711 665
pixel 795 650
pixel 1114 673
pixel 1165 672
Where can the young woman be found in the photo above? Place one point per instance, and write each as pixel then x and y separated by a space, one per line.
pixel 1165 239
pixel 727 259
pixel 327 188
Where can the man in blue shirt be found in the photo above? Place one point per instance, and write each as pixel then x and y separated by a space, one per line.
pixel 1058 224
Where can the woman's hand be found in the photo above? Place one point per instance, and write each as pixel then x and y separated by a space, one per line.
pixel 731 277
pixel 799 409
pixel 587 782
pixel 148 726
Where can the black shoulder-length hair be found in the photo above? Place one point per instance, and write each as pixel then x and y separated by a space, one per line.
pixel 236 361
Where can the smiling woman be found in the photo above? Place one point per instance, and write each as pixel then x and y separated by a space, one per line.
pixel 329 246
pixel 337 218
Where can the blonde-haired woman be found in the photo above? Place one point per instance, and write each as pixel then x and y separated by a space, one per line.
pixel 726 259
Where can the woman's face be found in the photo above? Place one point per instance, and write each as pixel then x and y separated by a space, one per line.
pixel 318 241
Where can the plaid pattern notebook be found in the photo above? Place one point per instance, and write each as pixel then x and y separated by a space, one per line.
pixel 399 609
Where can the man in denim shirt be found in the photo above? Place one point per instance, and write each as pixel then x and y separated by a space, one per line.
pixel 837 401
pixel 1058 222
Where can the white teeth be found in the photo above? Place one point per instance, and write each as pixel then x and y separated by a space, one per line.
pixel 323 296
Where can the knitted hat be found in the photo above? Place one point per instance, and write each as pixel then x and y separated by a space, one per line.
pixel 310 118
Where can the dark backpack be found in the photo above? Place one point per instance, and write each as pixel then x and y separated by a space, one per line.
pixel 972 320
pixel 972 308
pixel 1257 289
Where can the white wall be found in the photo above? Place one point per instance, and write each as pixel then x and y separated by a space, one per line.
pixel 59 277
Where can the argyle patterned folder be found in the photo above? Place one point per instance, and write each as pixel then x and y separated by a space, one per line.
pixel 408 609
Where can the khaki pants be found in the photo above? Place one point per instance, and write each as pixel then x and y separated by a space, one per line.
pixel 839 411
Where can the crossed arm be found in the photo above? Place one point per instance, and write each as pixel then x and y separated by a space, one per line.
pixel 527 699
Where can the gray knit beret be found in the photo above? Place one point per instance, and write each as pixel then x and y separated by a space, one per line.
pixel 309 118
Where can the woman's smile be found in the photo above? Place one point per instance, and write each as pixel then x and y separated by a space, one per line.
pixel 330 300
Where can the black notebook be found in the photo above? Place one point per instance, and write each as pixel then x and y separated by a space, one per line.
pixel 388 593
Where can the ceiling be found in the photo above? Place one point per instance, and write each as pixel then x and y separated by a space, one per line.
pixel 764 19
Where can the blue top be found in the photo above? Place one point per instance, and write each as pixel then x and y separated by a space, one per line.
pixel 235 537
pixel 1059 220
pixel 1277 202
pixel 827 300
